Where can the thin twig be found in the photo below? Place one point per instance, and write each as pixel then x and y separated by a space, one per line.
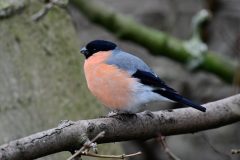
pixel 235 151
pixel 123 156
pixel 40 14
pixel 101 134
pixel 162 141
pixel 206 139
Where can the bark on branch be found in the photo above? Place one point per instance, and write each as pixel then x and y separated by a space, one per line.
pixel 156 42
pixel 71 135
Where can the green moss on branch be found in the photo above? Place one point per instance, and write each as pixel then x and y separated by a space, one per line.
pixel 158 43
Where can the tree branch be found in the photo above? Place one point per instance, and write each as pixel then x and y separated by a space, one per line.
pixel 9 8
pixel 157 42
pixel 124 156
pixel 72 135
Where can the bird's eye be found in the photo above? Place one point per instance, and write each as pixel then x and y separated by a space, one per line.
pixel 94 49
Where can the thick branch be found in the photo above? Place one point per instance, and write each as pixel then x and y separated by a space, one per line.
pixel 155 41
pixel 71 135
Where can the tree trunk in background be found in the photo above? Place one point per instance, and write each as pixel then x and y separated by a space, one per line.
pixel 41 75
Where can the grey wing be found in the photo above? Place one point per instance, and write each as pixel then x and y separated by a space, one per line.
pixel 137 69
pixel 128 62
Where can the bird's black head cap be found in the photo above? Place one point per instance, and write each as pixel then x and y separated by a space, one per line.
pixel 96 46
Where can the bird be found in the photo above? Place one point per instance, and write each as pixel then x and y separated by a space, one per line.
pixel 124 82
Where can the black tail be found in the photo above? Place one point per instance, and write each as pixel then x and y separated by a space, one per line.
pixel 178 98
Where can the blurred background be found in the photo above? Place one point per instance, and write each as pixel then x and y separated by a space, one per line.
pixel 42 80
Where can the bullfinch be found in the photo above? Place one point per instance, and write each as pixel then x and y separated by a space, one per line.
pixel 122 81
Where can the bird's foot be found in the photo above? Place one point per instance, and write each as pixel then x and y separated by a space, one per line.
pixel 149 113
pixel 112 113
pixel 121 115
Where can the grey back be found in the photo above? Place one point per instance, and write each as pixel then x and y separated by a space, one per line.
pixel 128 62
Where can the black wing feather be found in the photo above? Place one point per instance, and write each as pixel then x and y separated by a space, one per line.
pixel 150 79
pixel 161 88
pixel 178 98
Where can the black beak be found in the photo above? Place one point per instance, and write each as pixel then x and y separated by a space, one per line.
pixel 84 51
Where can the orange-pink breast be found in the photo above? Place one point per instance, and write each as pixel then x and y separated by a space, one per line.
pixel 109 84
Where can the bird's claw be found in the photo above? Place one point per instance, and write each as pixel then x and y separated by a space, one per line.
pixel 121 115
pixel 112 113
pixel 149 113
